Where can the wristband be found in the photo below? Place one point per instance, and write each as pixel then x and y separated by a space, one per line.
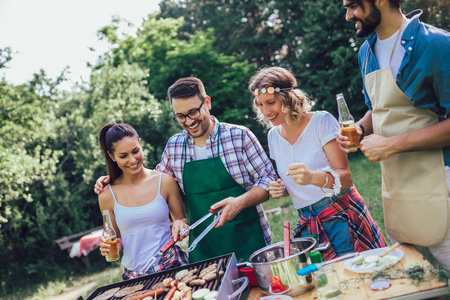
pixel 362 128
pixel 337 181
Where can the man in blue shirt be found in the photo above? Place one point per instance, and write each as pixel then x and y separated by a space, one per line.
pixel 405 67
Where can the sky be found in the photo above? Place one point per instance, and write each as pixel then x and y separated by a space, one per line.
pixel 52 34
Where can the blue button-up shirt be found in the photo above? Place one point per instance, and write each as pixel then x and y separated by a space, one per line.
pixel 424 74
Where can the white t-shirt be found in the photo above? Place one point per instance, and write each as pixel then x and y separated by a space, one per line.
pixel 308 149
pixel 200 152
pixel 383 50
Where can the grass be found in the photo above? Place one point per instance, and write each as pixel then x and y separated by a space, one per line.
pixel 71 287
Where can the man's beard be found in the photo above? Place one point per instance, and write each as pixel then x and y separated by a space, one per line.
pixel 370 23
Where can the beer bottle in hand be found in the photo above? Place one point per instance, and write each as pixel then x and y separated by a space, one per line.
pixel 347 123
pixel 109 237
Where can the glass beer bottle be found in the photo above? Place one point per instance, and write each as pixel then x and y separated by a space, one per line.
pixel 347 123
pixel 109 237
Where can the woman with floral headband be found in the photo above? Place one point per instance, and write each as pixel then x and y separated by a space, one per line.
pixel 313 170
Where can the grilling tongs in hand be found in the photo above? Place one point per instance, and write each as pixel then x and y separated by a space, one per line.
pixel 172 241
pixel 202 235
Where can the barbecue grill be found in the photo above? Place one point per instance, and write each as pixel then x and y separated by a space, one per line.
pixel 227 285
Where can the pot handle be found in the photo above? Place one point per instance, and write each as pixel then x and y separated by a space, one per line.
pixel 323 246
pixel 240 289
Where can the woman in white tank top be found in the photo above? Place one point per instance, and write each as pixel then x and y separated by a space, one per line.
pixel 139 202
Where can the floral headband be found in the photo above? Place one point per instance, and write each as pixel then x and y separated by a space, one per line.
pixel 269 90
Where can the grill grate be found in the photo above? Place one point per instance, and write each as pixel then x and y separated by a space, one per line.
pixel 149 280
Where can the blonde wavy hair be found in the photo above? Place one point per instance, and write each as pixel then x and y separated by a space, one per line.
pixel 294 103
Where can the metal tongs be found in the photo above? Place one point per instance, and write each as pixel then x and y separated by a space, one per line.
pixel 202 235
pixel 172 241
pixel 199 221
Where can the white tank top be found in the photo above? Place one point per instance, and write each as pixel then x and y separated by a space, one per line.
pixel 144 229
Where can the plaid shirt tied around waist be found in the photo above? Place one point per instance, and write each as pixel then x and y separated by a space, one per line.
pixel 349 206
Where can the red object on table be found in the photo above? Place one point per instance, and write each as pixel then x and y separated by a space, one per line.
pixel 88 242
pixel 276 284
pixel 287 240
pixel 249 272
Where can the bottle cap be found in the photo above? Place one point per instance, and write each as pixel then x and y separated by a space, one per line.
pixel 316 257
pixel 380 284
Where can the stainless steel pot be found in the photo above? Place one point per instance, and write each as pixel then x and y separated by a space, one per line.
pixel 270 262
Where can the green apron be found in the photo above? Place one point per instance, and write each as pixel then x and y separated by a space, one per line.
pixel 206 182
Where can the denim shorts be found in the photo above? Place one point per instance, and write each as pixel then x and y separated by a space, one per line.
pixel 337 229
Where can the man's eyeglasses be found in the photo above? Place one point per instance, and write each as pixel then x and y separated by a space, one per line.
pixel 192 114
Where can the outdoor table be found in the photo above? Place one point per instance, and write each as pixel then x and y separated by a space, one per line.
pixel 359 289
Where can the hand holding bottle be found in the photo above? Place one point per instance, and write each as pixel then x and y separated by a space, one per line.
pixel 347 123
pixel 105 248
pixel 109 239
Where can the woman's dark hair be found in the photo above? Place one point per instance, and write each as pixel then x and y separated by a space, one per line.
pixel 110 134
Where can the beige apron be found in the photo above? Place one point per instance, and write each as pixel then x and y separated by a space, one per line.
pixel 414 187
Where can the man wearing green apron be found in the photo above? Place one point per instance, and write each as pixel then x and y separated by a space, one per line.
pixel 220 166
pixel 405 68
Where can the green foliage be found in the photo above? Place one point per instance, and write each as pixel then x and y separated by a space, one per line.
pixel 50 158
pixel 435 12
pixel 168 56
pixel 328 61
pixel 5 56
pixel 310 37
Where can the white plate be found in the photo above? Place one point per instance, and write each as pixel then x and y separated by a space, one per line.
pixel 275 297
pixel 357 268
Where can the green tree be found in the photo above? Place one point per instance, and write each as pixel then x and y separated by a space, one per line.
pixel 435 12
pixel 28 167
pixel 50 158
pixel 310 37
pixel 168 57
pixel 5 56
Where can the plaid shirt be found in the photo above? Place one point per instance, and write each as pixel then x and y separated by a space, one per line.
pixel 364 231
pixel 241 154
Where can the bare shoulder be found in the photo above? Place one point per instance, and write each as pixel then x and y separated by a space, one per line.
pixel 168 179
pixel 105 199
